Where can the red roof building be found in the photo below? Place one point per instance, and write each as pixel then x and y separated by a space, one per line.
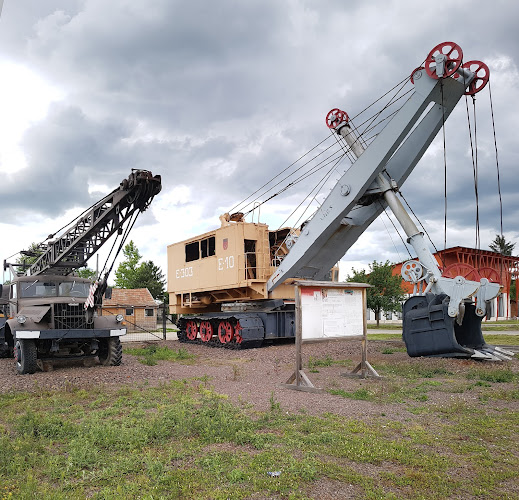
pixel 136 305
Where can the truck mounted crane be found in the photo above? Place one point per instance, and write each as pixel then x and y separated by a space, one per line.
pixel 53 313
pixel 444 320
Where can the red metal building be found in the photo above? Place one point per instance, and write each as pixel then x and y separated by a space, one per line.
pixel 475 264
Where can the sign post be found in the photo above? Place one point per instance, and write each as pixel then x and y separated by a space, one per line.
pixel 363 367
pixel 328 310
pixel 299 380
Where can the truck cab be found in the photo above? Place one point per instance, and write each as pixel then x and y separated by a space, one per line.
pixel 47 317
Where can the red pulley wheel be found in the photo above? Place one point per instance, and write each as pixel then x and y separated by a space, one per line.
pixel 490 274
pixel 453 54
pixel 335 117
pixel 237 333
pixel 225 332
pixel 414 71
pixel 482 76
pixel 206 331
pixel 191 330
pixel 459 269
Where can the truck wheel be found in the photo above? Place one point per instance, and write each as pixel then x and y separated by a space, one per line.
pixel 6 351
pixel 110 352
pixel 25 355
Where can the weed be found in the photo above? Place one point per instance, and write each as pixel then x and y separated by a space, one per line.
pixel 183 440
pixel 313 363
pixel 275 405
pixel 361 394
pixel 151 354
pixel 496 375
pixel 204 379
pixel 236 372
pixel 412 370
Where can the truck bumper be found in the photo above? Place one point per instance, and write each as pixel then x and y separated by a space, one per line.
pixel 69 334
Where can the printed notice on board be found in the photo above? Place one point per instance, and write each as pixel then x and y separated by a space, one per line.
pixel 332 313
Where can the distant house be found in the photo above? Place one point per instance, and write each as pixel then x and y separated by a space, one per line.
pixel 137 306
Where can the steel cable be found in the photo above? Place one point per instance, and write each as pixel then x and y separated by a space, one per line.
pixel 371 127
pixel 497 160
pixel 321 183
pixel 474 169
pixel 284 170
pixel 284 179
pixel 299 179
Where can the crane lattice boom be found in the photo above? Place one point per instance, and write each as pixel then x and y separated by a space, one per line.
pixel 72 249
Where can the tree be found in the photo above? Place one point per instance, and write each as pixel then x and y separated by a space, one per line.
pixel 30 256
pixel 150 276
pixel 126 272
pixel 500 245
pixel 86 272
pixel 386 293
pixel 130 274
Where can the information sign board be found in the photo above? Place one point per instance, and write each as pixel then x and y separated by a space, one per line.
pixel 331 312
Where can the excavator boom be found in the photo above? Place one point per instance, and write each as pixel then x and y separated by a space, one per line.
pixel 444 321
pixel 352 204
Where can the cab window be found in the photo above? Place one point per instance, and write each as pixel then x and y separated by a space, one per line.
pixel 192 251
pixel 207 247
pixel 74 289
pixel 37 288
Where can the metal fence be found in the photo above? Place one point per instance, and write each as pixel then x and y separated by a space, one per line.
pixel 166 330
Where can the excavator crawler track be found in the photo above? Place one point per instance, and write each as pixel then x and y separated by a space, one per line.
pixel 236 330
pixel 216 344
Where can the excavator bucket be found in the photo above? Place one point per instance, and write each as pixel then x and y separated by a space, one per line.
pixel 428 330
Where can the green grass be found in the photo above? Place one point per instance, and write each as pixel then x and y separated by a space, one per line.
pixel 183 440
pixel 385 326
pixel 501 339
pixel 406 381
pixel 360 394
pixel 151 354
pixel 491 327
pixel 384 336
pixel 489 338
pixel 510 324
pixel 314 363
pixel 492 374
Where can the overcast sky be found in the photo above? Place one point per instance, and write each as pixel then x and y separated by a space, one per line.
pixel 218 97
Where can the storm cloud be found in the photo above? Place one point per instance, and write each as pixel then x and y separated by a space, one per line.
pixel 218 97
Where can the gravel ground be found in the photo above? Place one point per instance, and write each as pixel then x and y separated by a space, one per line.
pixel 254 376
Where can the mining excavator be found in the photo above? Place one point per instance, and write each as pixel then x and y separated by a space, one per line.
pixel 53 314
pixel 233 283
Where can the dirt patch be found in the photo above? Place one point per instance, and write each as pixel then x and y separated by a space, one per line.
pixel 251 377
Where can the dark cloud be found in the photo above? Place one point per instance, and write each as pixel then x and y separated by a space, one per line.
pixel 221 96
pixel 65 152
